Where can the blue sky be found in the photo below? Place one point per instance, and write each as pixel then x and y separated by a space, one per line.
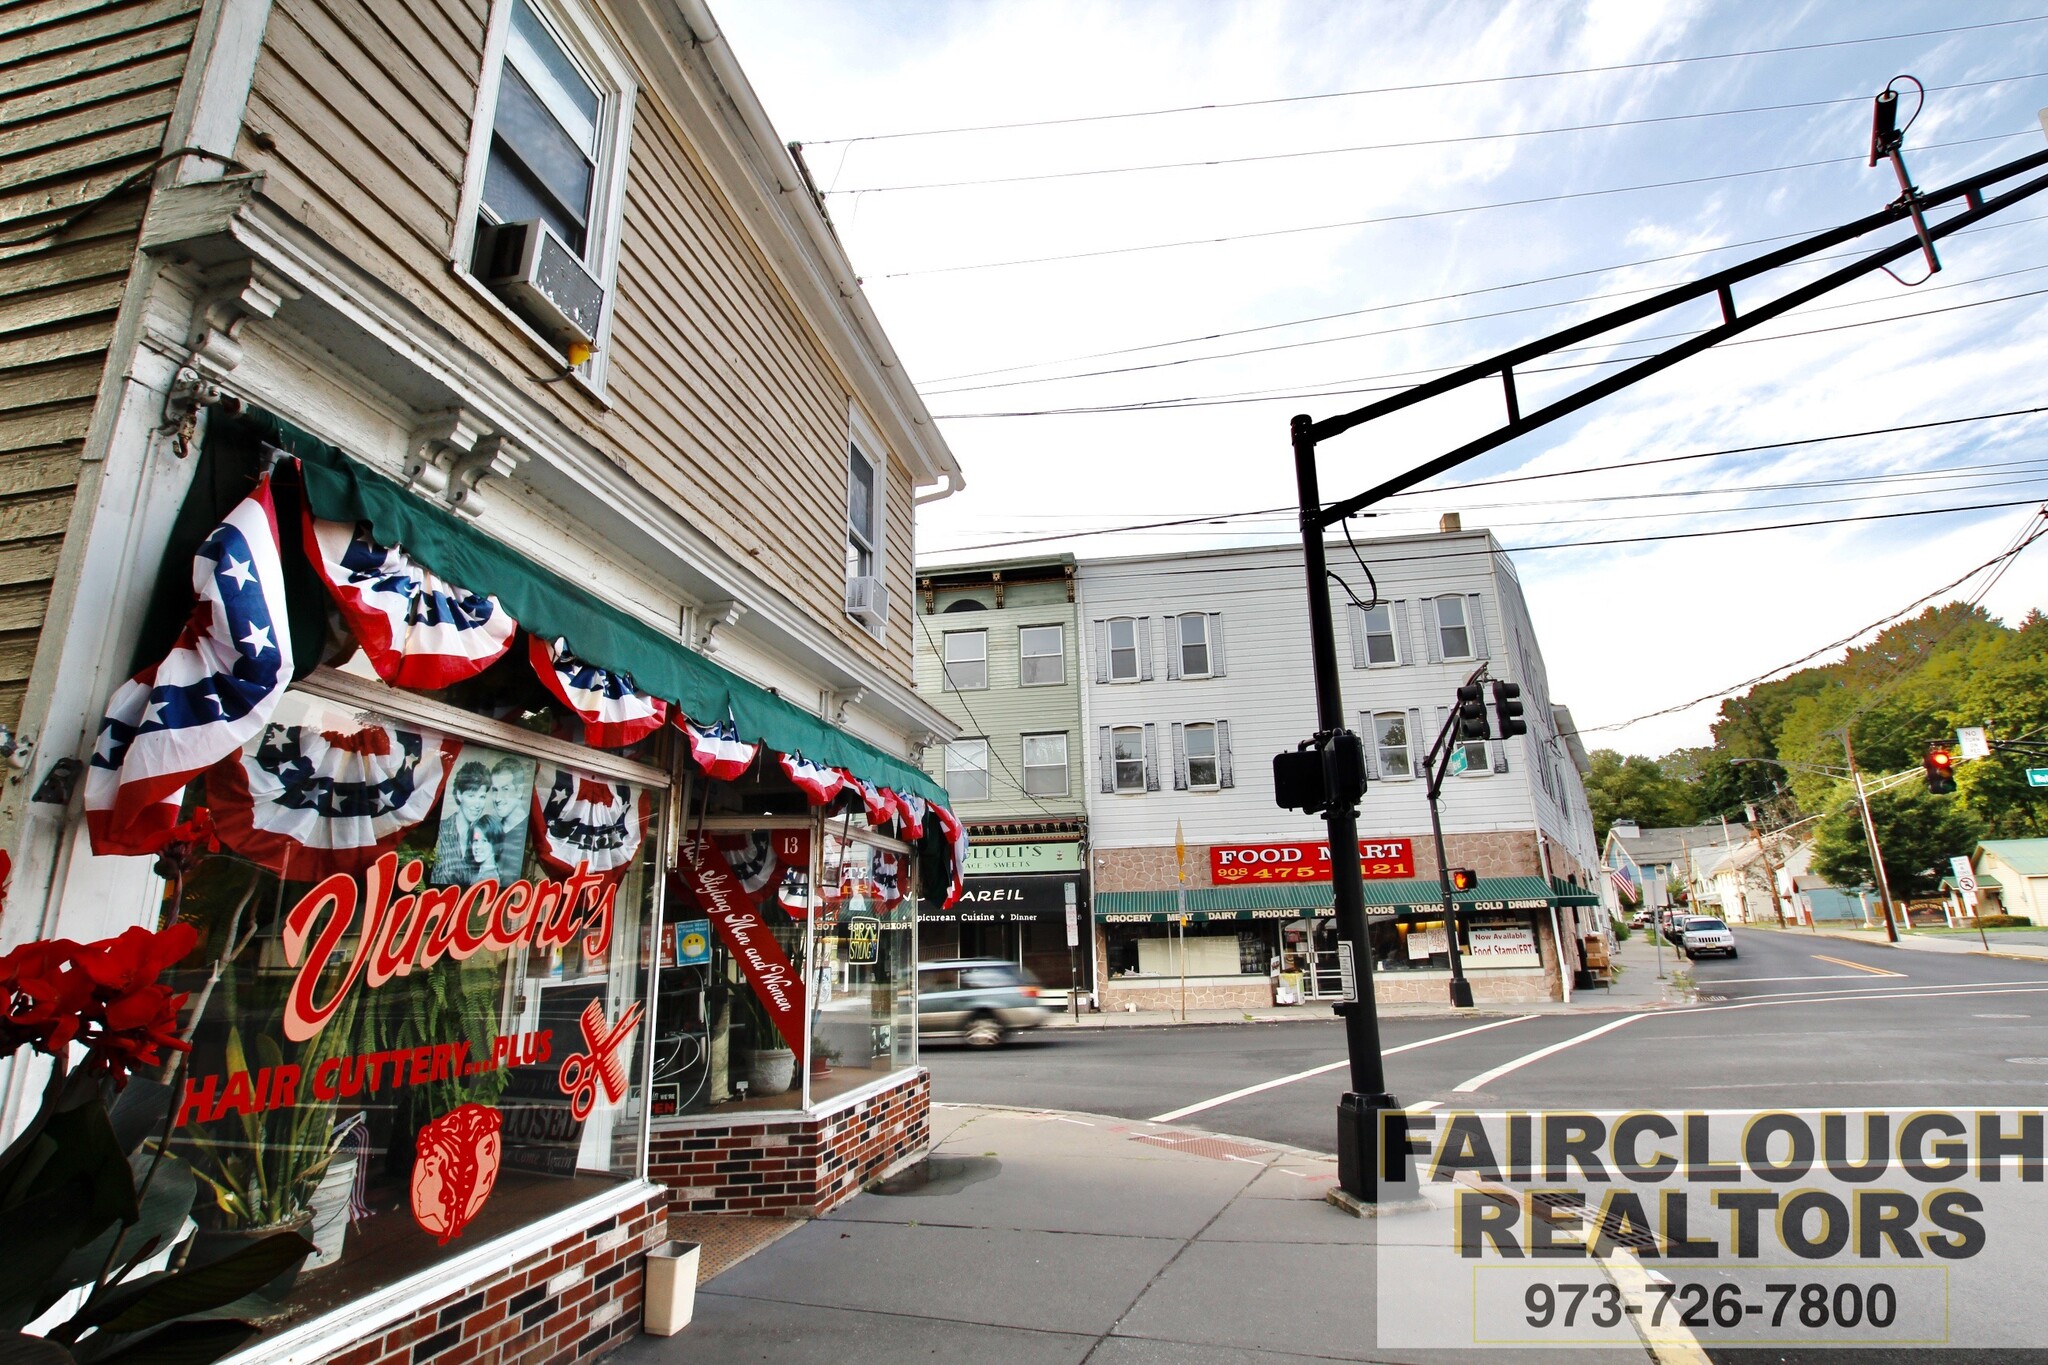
pixel 1625 629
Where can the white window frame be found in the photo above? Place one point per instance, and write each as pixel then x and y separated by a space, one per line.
pixel 862 440
pixel 1117 764
pixel 959 748
pixel 1214 756
pixel 1436 608
pixel 948 683
pixel 1066 785
pixel 1182 645
pixel 1366 631
pixel 1478 759
pixel 1060 654
pixel 1137 650
pixel 589 42
pixel 1381 748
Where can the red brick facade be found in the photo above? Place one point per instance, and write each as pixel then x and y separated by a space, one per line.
pixel 799 1166
pixel 573 1300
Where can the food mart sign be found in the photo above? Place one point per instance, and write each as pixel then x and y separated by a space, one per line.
pixel 1305 861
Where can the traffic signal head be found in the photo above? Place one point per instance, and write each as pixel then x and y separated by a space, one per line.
pixel 1464 879
pixel 1507 709
pixel 1940 767
pixel 1471 712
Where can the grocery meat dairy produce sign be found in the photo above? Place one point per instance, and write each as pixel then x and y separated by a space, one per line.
pixel 1306 860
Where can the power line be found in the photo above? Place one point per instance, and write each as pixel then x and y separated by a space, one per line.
pixel 1417 86
pixel 1249 159
pixel 960 697
pixel 1417 214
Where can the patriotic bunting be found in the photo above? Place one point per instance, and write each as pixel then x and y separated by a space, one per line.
pixel 888 878
pixel 751 857
pixel 956 839
pixel 717 748
pixel 615 713
pixel 592 821
pixel 912 809
pixel 418 629
pixel 818 783
pixel 308 802
pixel 205 699
pixel 880 808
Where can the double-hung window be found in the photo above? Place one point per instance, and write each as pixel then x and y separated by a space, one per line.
pixel 966 660
pixel 1378 625
pixel 1041 656
pixel 861 531
pixel 1202 754
pixel 1194 644
pixel 545 133
pixel 1454 630
pixel 1128 750
pixel 1390 743
pixel 967 769
pixel 1045 765
pixel 1123 650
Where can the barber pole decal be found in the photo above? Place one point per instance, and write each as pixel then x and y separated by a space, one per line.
pixel 718 895
pixel 615 713
pixel 416 628
pixel 308 802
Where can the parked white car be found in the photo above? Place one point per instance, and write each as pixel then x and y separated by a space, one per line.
pixel 1703 935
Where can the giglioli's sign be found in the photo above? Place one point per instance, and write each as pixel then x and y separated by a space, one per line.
pixel 1305 861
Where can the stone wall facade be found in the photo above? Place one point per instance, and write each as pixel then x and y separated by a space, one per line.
pixel 574 1300
pixel 797 1166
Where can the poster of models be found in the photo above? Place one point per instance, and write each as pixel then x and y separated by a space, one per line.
pixel 483 818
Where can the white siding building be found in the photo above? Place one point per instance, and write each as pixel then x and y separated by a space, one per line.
pixel 1196 672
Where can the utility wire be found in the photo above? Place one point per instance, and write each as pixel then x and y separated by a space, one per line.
pixel 1463 83
pixel 987 738
pixel 1207 162
pixel 1414 215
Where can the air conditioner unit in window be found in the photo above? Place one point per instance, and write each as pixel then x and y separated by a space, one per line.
pixel 867 601
pixel 545 282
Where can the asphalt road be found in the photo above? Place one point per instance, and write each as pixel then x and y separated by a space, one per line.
pixel 1796 1021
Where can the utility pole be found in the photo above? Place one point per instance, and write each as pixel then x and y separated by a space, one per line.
pixel 1770 873
pixel 1884 885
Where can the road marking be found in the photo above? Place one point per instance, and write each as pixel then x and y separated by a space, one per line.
pixel 1196 1108
pixel 1486 1077
pixel 1424 1107
pixel 1859 966
pixel 1752 980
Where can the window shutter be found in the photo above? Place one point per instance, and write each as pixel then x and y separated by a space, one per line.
pixel 1224 776
pixel 1180 758
pixel 1143 630
pixel 1172 624
pixel 1475 621
pixel 1357 619
pixel 1418 752
pixel 1102 654
pixel 1151 758
pixel 1108 756
pixel 1216 663
pixel 1432 634
pixel 1404 626
pixel 1372 739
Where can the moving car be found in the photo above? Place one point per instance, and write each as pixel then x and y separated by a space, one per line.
pixel 980 1001
pixel 1703 935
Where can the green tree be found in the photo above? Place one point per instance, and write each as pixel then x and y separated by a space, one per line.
pixel 1918 832
pixel 2005 689
pixel 1636 788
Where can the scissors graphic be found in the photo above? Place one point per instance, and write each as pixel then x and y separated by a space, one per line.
pixel 583 1071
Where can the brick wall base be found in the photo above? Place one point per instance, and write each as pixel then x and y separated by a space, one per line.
pixel 797 1167
pixel 573 1300
pixel 1255 994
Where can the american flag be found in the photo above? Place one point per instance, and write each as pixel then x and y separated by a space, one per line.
pixel 1624 879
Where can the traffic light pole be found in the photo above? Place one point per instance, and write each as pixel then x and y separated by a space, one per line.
pixel 1359 1112
pixel 1439 768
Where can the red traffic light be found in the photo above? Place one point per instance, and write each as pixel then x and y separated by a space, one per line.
pixel 1464 879
pixel 1940 768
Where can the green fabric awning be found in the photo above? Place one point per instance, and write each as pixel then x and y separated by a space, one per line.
pixel 548 605
pixel 1416 895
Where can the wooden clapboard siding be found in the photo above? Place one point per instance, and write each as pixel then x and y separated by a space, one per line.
pixel 720 397
pixel 85 89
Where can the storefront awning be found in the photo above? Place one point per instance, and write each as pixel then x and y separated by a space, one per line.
pixel 547 605
pixel 1412 896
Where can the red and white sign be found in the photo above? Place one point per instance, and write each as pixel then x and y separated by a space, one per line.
pixel 1305 861
pixel 723 899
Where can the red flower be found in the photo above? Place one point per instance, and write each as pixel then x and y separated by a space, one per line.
pixel 103 995
pixel 136 956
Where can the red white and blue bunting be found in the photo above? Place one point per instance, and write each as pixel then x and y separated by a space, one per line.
pixel 881 808
pixel 417 629
pixel 615 713
pixel 818 783
pixel 956 840
pixel 307 802
pixel 209 696
pixel 888 878
pixel 589 820
pixel 717 748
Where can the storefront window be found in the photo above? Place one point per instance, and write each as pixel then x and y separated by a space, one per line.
pixel 419 1000
pixel 866 1023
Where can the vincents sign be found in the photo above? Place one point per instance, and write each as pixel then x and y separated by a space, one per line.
pixel 400 928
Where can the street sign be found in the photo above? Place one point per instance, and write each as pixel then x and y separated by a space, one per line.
pixel 1972 742
pixel 2037 777
pixel 1966 880
pixel 1458 759
pixel 1073 918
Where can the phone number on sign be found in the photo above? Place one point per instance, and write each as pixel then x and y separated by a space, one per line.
pixel 1308 874
pixel 1805 1304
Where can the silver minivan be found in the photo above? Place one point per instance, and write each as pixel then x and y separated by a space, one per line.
pixel 978 1000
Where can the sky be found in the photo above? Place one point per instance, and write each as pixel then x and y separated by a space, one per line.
pixel 1099 356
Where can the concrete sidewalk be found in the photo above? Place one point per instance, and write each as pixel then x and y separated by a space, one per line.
pixel 1636 988
pixel 2004 943
pixel 1054 1238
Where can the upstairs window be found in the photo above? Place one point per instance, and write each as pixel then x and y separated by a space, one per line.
pixel 1202 754
pixel 1390 743
pixel 1194 645
pixel 545 133
pixel 1377 625
pixel 1123 650
pixel 966 660
pixel 1128 743
pixel 1041 656
pixel 1454 631
pixel 861 536
pixel 967 770
pixel 1045 765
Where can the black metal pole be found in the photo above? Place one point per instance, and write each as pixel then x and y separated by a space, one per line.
pixel 1461 989
pixel 1358 1113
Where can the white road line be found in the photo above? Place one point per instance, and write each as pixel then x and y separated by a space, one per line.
pixel 1486 1077
pixel 1752 980
pixel 1177 1114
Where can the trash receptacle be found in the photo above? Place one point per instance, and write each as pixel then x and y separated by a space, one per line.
pixel 671 1288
